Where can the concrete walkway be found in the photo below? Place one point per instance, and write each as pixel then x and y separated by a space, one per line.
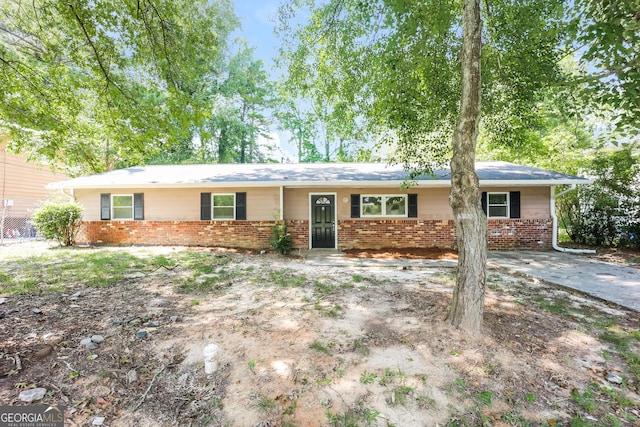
pixel 610 282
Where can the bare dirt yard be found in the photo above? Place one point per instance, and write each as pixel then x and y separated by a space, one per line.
pixel 119 333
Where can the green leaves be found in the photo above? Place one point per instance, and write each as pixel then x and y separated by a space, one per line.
pixel 58 220
pixel 608 37
pixel 395 66
pixel 99 84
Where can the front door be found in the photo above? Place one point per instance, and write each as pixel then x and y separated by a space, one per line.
pixel 323 228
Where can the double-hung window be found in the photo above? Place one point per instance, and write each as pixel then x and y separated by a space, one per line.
pixel 501 204
pixel 122 207
pixel 383 205
pixel 223 206
pixel 498 205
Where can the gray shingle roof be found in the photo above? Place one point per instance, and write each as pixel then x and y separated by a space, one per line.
pixel 306 175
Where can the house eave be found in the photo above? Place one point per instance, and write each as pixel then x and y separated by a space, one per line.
pixel 533 182
pixel 319 184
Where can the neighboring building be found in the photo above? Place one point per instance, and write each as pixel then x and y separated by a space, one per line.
pixel 22 188
pixel 330 205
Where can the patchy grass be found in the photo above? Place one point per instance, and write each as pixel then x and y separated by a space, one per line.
pixel 320 346
pixel 270 303
pixel 59 269
pixel 286 278
pixel 355 416
pixel 556 305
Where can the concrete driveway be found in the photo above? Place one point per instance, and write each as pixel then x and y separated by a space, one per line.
pixel 610 282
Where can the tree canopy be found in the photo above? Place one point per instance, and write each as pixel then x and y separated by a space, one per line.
pixel 98 84
pixel 606 39
pixel 395 66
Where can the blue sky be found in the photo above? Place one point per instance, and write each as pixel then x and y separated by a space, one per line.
pixel 256 17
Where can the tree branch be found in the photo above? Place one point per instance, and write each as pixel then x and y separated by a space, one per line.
pixel 22 38
pixel 144 396
pixel 147 26
pixel 107 77
pixel 25 78
pixel 165 38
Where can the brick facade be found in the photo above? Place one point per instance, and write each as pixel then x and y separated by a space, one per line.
pixel 299 231
pixel 522 234
pixel 232 234
pixel 392 233
pixel 503 234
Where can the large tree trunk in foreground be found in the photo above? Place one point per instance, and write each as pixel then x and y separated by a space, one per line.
pixel 471 224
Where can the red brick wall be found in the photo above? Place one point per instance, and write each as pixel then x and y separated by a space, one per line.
pixel 232 234
pixel 395 233
pixel 503 234
pixel 512 234
pixel 299 231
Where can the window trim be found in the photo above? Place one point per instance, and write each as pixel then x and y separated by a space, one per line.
pixel 383 213
pixel 508 205
pixel 213 218
pixel 113 207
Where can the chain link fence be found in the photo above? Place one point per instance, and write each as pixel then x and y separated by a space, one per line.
pixel 15 222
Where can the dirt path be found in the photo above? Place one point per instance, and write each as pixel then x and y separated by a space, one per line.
pixel 309 346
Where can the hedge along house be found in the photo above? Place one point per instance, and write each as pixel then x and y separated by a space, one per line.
pixel 328 205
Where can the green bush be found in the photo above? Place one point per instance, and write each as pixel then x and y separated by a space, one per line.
pixel 281 240
pixel 607 212
pixel 59 221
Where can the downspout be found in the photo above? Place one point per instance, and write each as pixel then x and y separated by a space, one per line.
pixel 554 217
pixel 281 203
pixel 69 195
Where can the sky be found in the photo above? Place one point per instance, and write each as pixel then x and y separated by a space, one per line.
pixel 257 23
pixel 256 17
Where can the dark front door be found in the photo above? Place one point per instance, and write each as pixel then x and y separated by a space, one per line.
pixel 323 229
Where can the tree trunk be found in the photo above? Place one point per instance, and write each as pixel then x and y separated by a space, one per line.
pixel 222 144
pixel 471 223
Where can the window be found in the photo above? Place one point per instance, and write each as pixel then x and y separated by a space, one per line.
pixel 223 206
pixel 501 204
pixel 498 205
pixel 384 205
pixel 122 206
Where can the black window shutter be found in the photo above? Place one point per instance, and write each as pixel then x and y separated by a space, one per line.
pixel 138 206
pixel 412 212
pixel 205 206
pixel 241 206
pixel 355 206
pixel 514 204
pixel 105 206
pixel 484 202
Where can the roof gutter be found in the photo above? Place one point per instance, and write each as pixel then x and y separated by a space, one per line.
pixel 554 217
pixel 440 183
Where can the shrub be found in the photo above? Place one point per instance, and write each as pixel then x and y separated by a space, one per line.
pixel 606 213
pixel 59 221
pixel 281 240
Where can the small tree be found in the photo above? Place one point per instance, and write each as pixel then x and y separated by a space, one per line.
pixel 59 220
pixel 281 239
